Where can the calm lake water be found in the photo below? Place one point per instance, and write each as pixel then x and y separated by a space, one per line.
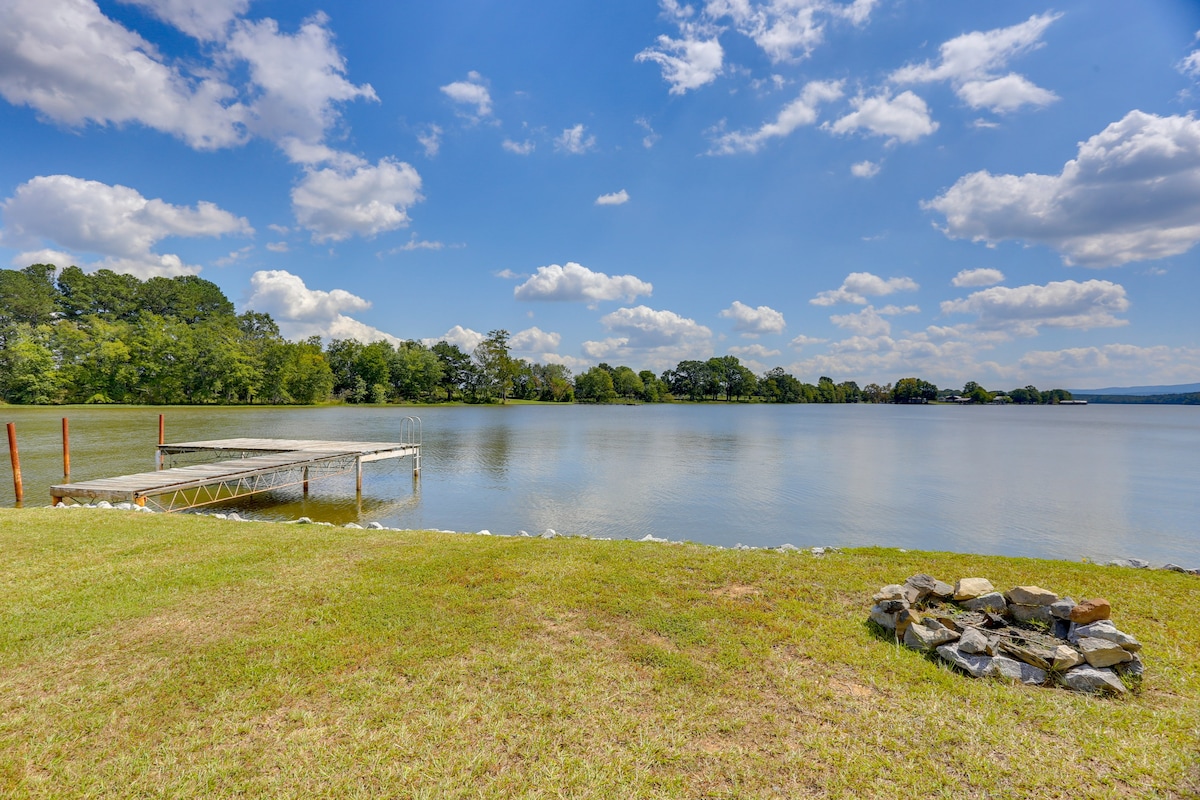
pixel 1055 482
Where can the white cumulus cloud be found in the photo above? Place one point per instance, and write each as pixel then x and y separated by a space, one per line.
pixel 576 283
pixel 1058 304
pixel 535 340
pixel 518 148
pixel 74 65
pixel 431 140
pixel 858 286
pixel 302 312
pixel 754 351
pixel 864 169
pixel 335 204
pixel 971 62
pixel 687 63
pixel 613 199
pixel 752 321
pixel 904 117
pixel 297 79
pixel 1131 194
pixel 977 277
pixel 574 140
pixel 464 338
pixel 204 21
pixel 800 112
pixel 114 222
pixel 659 338
pixel 867 322
pixel 472 94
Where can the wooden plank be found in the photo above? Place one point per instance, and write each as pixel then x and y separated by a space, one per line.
pixel 275 455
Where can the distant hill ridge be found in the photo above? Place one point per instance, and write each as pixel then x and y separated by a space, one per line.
pixel 1182 388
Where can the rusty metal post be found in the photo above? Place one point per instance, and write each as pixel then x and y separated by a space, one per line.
pixel 305 476
pixel 66 449
pixel 18 487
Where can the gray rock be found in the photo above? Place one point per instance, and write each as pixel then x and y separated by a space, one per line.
pixel 220 516
pixel 353 525
pixel 1066 657
pixel 1008 669
pixel 1133 667
pixel 1031 596
pixel 1061 628
pixel 974 665
pixel 1104 629
pixel 126 506
pixel 992 601
pixel 787 548
pixel 818 551
pixel 1132 563
pixel 236 517
pixel 968 588
pixel 1086 678
pixel 883 618
pixel 1023 613
pixel 375 526
pixel 104 504
pixel 1102 652
pixel 893 591
pixel 550 533
pixel 1174 568
pixel 923 582
pixel 1062 609
pixel 304 521
pixel 928 634
pixel 973 642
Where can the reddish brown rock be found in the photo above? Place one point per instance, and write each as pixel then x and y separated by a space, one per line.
pixel 1091 611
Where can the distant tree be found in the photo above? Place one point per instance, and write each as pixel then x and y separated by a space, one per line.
pixel 456 368
pixel 654 390
pixel 874 393
pixel 27 297
pixel 778 386
pixel 914 390
pixel 1028 395
pixel 627 383
pixel 595 385
pixel 976 393
pixel 496 366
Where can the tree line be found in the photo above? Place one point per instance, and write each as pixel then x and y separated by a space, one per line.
pixel 106 337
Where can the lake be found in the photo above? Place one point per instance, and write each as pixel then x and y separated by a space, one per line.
pixel 1048 481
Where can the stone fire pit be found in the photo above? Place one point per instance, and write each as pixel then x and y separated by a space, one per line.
pixel 1027 634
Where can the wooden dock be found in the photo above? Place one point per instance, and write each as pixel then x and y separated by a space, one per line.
pixel 257 465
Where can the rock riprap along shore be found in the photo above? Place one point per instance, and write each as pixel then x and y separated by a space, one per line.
pixel 1027 634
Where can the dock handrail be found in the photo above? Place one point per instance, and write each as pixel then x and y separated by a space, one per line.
pixel 410 430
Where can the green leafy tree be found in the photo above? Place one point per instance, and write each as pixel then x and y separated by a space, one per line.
pixel 27 373
pixel 595 385
pixel 497 368
pixel 626 383
pixel 914 390
pixel 456 368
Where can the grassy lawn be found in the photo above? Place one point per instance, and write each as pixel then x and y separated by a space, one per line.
pixel 148 656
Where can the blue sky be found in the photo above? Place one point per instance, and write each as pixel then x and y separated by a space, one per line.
pixel 1000 192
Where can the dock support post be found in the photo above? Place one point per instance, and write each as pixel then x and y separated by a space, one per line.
pixel 140 501
pixel 358 476
pixel 305 478
pixel 162 439
pixel 66 450
pixel 18 487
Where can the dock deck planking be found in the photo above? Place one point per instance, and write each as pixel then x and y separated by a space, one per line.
pixel 265 470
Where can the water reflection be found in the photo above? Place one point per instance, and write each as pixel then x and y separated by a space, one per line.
pixel 1059 482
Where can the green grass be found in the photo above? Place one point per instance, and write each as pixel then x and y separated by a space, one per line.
pixel 155 656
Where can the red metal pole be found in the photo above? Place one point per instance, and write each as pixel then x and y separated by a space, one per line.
pixel 66 449
pixel 18 488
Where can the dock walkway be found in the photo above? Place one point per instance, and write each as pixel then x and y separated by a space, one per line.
pixel 260 465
